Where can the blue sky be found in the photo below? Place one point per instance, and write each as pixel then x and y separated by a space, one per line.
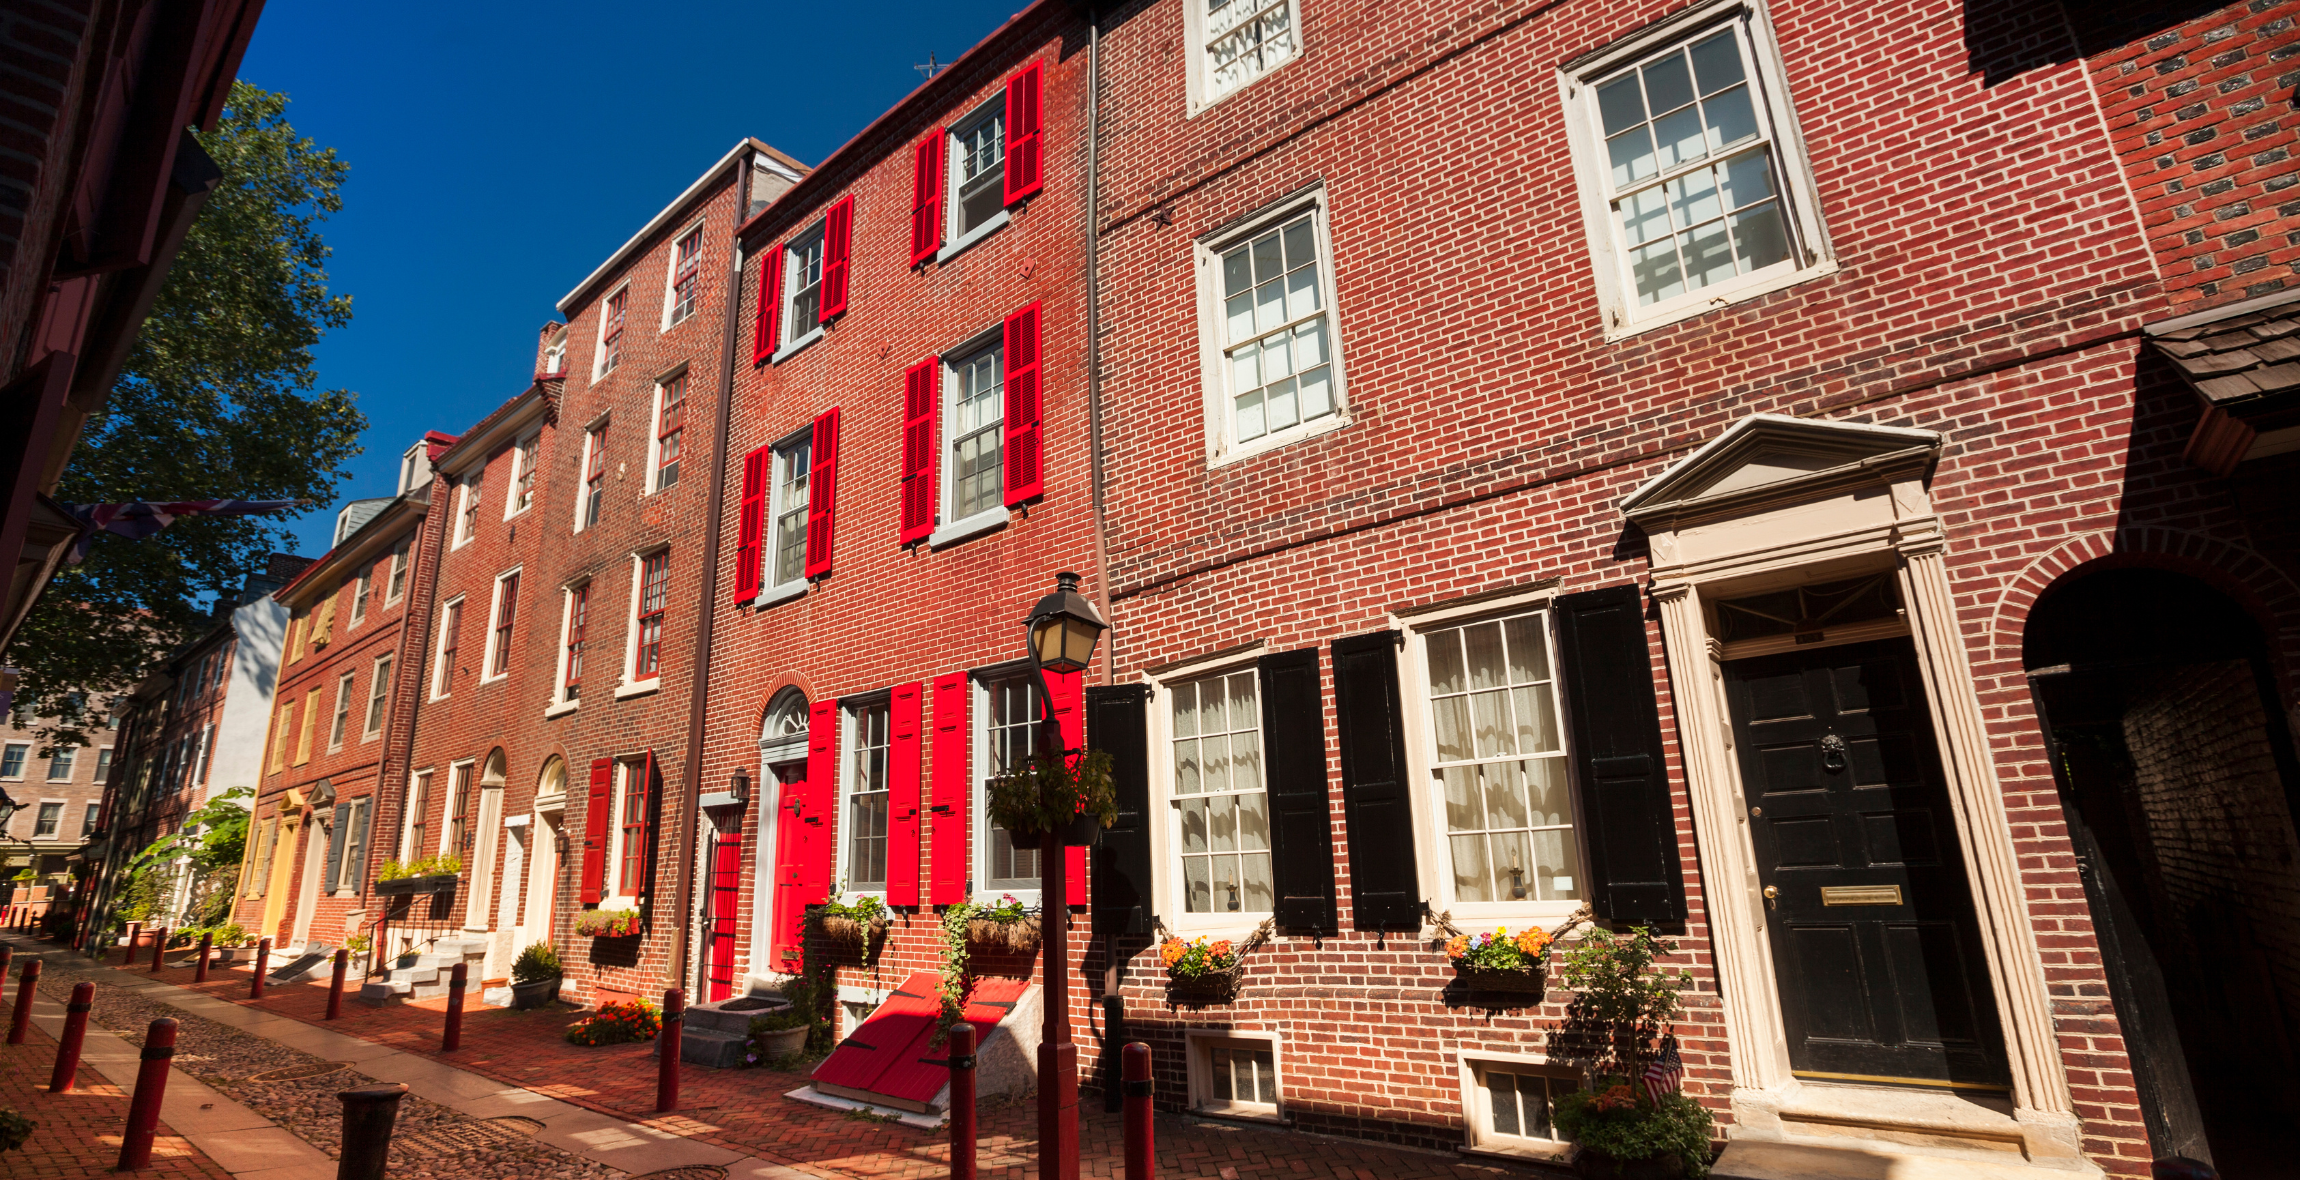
pixel 499 152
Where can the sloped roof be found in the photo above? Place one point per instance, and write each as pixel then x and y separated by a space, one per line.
pixel 2236 354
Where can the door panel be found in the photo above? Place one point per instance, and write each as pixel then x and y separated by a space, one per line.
pixel 726 888
pixel 1871 920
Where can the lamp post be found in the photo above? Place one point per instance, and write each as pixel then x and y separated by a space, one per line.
pixel 1063 630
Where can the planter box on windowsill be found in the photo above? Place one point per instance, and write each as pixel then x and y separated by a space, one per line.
pixel 1213 987
pixel 405 886
pixel 1525 985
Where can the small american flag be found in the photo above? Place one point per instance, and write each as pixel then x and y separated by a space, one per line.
pixel 1666 1073
pixel 137 519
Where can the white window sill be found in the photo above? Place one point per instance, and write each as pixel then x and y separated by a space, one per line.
pixel 987 896
pixel 1475 917
pixel 639 688
pixel 965 242
pixel 1704 302
pixel 1235 927
pixel 459 544
pixel 615 903
pixel 792 349
pixel 973 526
pixel 778 595
pixel 1279 441
pixel 1244 1114
pixel 1533 1150
pixel 520 513
pixel 499 676
pixel 561 709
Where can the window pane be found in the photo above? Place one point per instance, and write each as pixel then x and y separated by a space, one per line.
pixel 1528 655
pixel 1237 272
pixel 1198 892
pixel 1557 866
pixel 1187 780
pixel 1240 308
pixel 1693 198
pixel 1469 876
pixel 1317 393
pixel 1654 269
pixel 1495 737
pixel 1709 254
pixel 1621 104
pixel 1504 795
pixel 1250 423
pixel 1464 804
pixel 1269 258
pixel 1748 178
pixel 1278 402
pixel 1730 117
pixel 1261 897
pixel 1501 1094
pixel 1668 84
pixel 1485 663
pixel 1445 663
pixel 1301 245
pixel 1680 137
pixel 1759 237
pixel 1246 759
pixel 1223 1090
pixel 1632 155
pixel 1512 867
pixel 1536 720
pixel 1269 299
pixel 1193 826
pixel 1222 823
pixel 1452 728
pixel 1301 292
pixel 1644 215
pixel 1717 63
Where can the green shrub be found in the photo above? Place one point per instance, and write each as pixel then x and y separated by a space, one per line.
pixel 538 962
pixel 1622 1120
pixel 14 1129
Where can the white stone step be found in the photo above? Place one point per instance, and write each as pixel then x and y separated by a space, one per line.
pixel 1749 1159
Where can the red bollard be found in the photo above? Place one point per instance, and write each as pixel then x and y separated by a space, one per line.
pixel 22 1022
pixel 458 979
pixel 1141 1138
pixel 263 964
pixel 75 1030
pixel 151 1086
pixel 159 949
pixel 667 1051
pixel 962 1101
pixel 200 969
pixel 7 954
pixel 335 985
pixel 134 929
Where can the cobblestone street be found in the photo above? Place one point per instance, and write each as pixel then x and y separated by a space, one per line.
pixel 743 1112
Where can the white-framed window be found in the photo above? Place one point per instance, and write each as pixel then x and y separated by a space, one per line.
pixel 574 635
pixel 50 821
pixel 1007 713
pixel 336 728
pixel 594 477
pixel 1233 42
pixel 976 201
pixel 1486 743
pixel 455 822
pixel 412 836
pixel 1234 1074
pixel 103 764
pixel 973 452
pixel 1271 348
pixel 612 315
pixel 60 763
pixel 685 277
pixel 207 751
pixel 502 618
pixel 1217 801
pixel 358 601
pixel 1507 1100
pixel 398 584
pixel 650 601
pixel 467 508
pixel 1695 189
pixel 378 693
pixel 522 495
pixel 863 819
pixel 88 821
pixel 450 638
pixel 786 555
pixel 632 834
pixel 13 756
pixel 801 301
pixel 670 442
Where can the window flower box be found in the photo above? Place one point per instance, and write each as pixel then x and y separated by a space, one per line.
pixel 1202 972
pixel 998 930
pixel 409 886
pixel 1502 962
pixel 607 924
pixel 854 923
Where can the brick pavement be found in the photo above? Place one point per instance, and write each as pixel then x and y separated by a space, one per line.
pixel 745 1110
pixel 78 1133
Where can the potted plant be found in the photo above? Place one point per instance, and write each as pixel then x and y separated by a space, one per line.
pixel 1632 1124
pixel 14 1128
pixel 1502 962
pixel 230 943
pixel 1201 971
pixel 1055 793
pixel 535 977
pixel 607 924
pixel 779 1034
pixel 431 874
pixel 1006 927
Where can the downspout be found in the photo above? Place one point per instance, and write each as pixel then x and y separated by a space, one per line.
pixel 698 699
pixel 1094 329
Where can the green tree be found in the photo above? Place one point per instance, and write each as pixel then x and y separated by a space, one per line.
pixel 218 399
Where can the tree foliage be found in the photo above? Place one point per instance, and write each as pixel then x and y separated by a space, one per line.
pixel 218 399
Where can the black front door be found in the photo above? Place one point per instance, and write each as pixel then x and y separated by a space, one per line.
pixel 1871 921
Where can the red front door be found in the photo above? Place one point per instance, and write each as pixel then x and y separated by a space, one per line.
pixel 790 904
pixel 726 878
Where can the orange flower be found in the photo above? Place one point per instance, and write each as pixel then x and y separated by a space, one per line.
pixel 1457 946
pixel 1221 950
pixel 1533 942
pixel 1172 951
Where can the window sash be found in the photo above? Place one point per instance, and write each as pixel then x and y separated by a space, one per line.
pixel 670 431
pixel 654 583
pixel 103 764
pixel 1219 802
pixel 398 572
pixel 458 802
pixel 523 474
pixel 358 612
pixel 1258 36
pixel 506 614
pixel 611 334
pixel 1498 777
pixel 804 271
pixel 1295 343
pixel 793 469
pixel 631 868
pixel 377 693
pixel 51 819
pixel 867 799
pixel 578 621
pixel 12 760
pixel 688 270
pixel 342 720
pixel 61 762
pixel 1516 1103
pixel 1011 727
pixel 977 418
pixel 449 636
pixel 1240 1073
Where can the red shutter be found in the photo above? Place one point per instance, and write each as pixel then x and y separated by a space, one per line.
pixel 1025 480
pixel 823 493
pixel 790 878
pixel 838 240
pixel 926 198
pixel 1025 132
pixel 921 412
pixel 595 830
pixel 904 761
pixel 756 468
pixel 953 798
pixel 822 802
pixel 1062 695
pixel 766 334
pixel 650 811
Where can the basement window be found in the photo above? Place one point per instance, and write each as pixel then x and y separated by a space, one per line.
pixel 1235 1075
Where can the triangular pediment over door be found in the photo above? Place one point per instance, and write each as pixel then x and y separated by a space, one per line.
pixel 1769 459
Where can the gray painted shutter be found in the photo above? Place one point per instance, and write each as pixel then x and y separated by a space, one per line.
pixel 1301 818
pixel 335 845
pixel 354 872
pixel 1619 766
pixel 1117 723
pixel 1385 884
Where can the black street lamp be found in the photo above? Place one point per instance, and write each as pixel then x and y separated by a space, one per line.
pixel 1062 630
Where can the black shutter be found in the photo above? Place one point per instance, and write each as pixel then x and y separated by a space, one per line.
pixel 1623 778
pixel 1301 819
pixel 335 835
pixel 1385 886
pixel 1117 723
pixel 353 873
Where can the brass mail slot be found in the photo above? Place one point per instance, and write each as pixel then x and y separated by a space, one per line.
pixel 1860 895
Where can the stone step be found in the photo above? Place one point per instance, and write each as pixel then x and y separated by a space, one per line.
pixel 732 1016
pixel 378 993
pixel 707 1047
pixel 1749 1159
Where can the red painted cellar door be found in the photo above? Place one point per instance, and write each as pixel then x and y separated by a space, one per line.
pixel 726 882
pixel 892 1060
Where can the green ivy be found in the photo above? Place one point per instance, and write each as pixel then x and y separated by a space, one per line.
pixel 954 960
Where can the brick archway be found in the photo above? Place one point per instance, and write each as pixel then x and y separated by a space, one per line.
pixel 2264 592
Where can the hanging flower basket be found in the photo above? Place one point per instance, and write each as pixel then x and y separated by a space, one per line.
pixel 1200 972
pixel 1072 796
pixel 607 924
pixel 853 924
pixel 1005 928
pixel 1217 986
pixel 1516 964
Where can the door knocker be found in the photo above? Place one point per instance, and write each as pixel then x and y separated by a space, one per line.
pixel 1832 753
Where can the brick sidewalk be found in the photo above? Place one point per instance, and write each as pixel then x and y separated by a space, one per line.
pixel 78 1133
pixel 745 1110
